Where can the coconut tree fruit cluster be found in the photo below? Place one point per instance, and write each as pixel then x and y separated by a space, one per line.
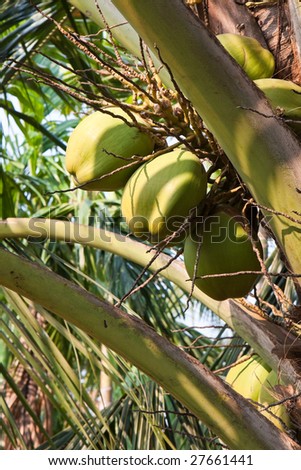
pixel 256 381
pixel 166 189
pixel 258 63
pixel 104 153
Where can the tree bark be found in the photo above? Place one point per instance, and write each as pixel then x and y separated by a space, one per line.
pixel 279 26
pixel 236 18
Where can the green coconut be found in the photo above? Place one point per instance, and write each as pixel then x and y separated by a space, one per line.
pixel 248 376
pixel 224 247
pixel 254 59
pixel 285 98
pixel 102 143
pixel 283 95
pixel 268 395
pixel 160 194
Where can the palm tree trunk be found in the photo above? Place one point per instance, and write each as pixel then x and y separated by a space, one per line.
pixel 295 24
pixel 236 19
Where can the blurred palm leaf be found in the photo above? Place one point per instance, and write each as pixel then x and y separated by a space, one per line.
pixel 25 26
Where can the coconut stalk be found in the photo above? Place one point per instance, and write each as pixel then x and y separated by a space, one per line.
pixel 105 14
pixel 229 415
pixel 264 151
pixel 270 341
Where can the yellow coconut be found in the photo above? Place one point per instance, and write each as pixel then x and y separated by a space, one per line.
pixel 248 376
pixel 268 395
pixel 101 144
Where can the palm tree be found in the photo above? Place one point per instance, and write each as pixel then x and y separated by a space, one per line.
pixel 73 69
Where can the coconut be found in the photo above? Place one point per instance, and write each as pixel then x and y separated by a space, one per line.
pixel 102 144
pixel 222 246
pixel 285 98
pixel 254 59
pixel 248 376
pixel 268 395
pixel 160 194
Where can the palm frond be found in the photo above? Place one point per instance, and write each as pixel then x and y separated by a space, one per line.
pixel 24 29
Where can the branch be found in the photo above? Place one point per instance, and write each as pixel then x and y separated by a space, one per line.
pixel 278 348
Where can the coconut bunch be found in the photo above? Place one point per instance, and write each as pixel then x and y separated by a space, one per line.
pixel 166 192
pixel 106 152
